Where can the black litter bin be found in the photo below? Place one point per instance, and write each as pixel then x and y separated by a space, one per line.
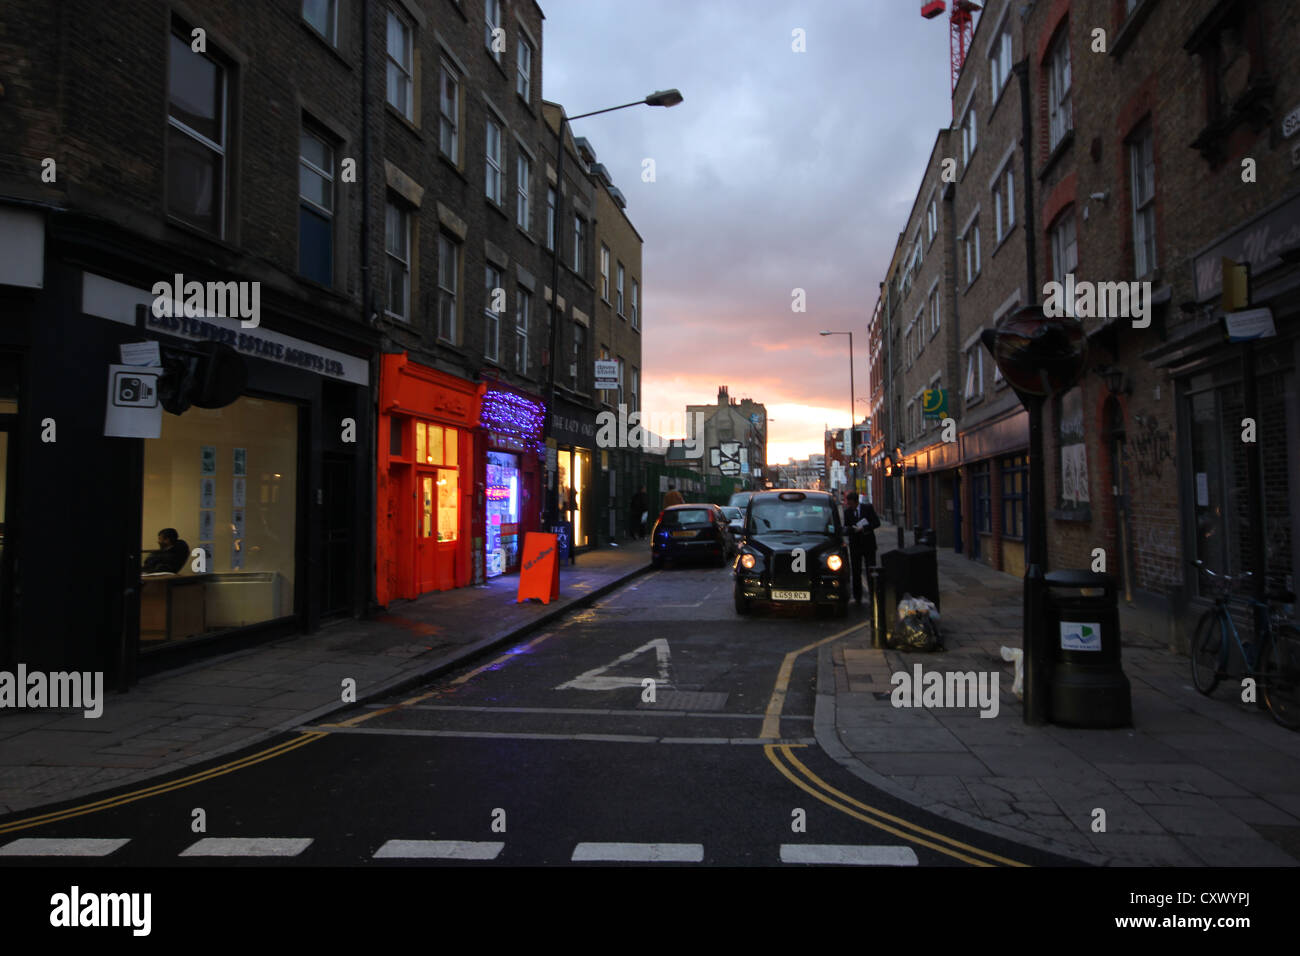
pixel 913 571
pixel 1088 686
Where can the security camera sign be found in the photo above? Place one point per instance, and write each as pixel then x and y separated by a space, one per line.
pixel 132 409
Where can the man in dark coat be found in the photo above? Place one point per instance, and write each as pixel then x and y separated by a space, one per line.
pixel 861 522
pixel 635 526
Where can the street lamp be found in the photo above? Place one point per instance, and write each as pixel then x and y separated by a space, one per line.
pixel 1039 356
pixel 853 406
pixel 658 98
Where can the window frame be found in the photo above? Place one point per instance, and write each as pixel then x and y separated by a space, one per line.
pixel 635 315
pixel 490 25
pixel 449 125
pixel 524 71
pixel 390 257
pixel 523 190
pixel 448 267
pixel 552 198
pixel 1055 234
pixel 1060 109
pixel 492 318
pixel 523 318
pixel 222 149
pixel 311 205
pixel 332 35
pixel 408 71
pixel 1142 141
pixel 604 273
pixel 493 164
pixel 618 289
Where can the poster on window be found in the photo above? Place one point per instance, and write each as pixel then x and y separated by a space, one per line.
pixel 207 524
pixel 237 492
pixel 207 492
pixel 241 461
pixel 237 522
pixel 1074 474
pixel 208 460
pixel 206 547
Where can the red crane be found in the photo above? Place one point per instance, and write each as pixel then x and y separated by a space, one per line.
pixel 960 28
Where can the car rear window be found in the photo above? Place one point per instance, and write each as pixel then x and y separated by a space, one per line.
pixel 815 517
pixel 687 518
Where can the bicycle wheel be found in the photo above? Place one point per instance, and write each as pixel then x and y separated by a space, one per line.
pixel 1207 651
pixel 1282 679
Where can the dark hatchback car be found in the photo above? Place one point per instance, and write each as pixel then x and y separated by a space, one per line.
pixel 793 552
pixel 694 532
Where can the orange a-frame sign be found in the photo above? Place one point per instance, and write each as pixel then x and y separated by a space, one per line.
pixel 539 575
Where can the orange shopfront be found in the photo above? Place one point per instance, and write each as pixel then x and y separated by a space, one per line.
pixel 426 481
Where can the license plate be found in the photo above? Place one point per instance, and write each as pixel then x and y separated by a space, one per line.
pixel 791 595
pixel 684 534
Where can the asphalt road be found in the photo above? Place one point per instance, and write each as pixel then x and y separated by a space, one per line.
pixel 556 752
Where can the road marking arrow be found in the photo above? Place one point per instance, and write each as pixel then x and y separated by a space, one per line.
pixel 590 680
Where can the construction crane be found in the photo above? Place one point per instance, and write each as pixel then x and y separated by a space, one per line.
pixel 960 28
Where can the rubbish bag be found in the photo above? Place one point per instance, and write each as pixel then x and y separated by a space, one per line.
pixel 916 630
pixel 1017 655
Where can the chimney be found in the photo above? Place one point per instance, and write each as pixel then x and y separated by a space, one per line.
pixel 722 395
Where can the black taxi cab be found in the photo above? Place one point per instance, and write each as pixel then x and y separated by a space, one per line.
pixel 793 552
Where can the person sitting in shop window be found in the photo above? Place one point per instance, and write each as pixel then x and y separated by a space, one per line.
pixel 171 555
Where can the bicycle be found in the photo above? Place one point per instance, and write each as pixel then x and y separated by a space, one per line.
pixel 1272 660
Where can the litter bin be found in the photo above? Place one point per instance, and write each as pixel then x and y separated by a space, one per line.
pixel 1088 686
pixel 913 571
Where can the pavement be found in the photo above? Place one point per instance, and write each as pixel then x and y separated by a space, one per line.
pixel 224 704
pixel 1196 780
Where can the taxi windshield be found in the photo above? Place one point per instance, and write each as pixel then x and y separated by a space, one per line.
pixel 807 517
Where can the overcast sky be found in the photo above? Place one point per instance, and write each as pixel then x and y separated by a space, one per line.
pixel 780 170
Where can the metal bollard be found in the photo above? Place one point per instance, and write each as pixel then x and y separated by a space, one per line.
pixel 876 578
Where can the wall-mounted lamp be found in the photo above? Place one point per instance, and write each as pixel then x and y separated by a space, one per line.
pixel 1116 379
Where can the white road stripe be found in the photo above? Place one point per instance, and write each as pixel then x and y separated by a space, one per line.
pixel 598 738
pixel 248 846
pixel 586 711
pixel 438 850
pixel 70 846
pixel 639 852
pixel 848 855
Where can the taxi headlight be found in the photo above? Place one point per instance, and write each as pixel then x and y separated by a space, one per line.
pixel 747 561
pixel 834 562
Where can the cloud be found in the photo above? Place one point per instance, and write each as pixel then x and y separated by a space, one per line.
pixel 780 170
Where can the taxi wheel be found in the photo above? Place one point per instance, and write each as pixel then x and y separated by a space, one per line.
pixel 743 604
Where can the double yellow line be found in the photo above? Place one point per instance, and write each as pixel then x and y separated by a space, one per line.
pixel 792 769
pixel 110 802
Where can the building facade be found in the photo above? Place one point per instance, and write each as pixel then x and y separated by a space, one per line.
pixel 1123 158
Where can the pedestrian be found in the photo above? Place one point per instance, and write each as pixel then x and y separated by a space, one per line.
pixel 861 522
pixel 674 497
pixel 636 515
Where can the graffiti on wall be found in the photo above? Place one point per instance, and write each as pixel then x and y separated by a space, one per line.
pixel 1152 445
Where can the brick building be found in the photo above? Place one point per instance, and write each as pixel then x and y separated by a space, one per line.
pixel 1158 148
pixel 148 145
pixel 617 318
pixel 376 179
